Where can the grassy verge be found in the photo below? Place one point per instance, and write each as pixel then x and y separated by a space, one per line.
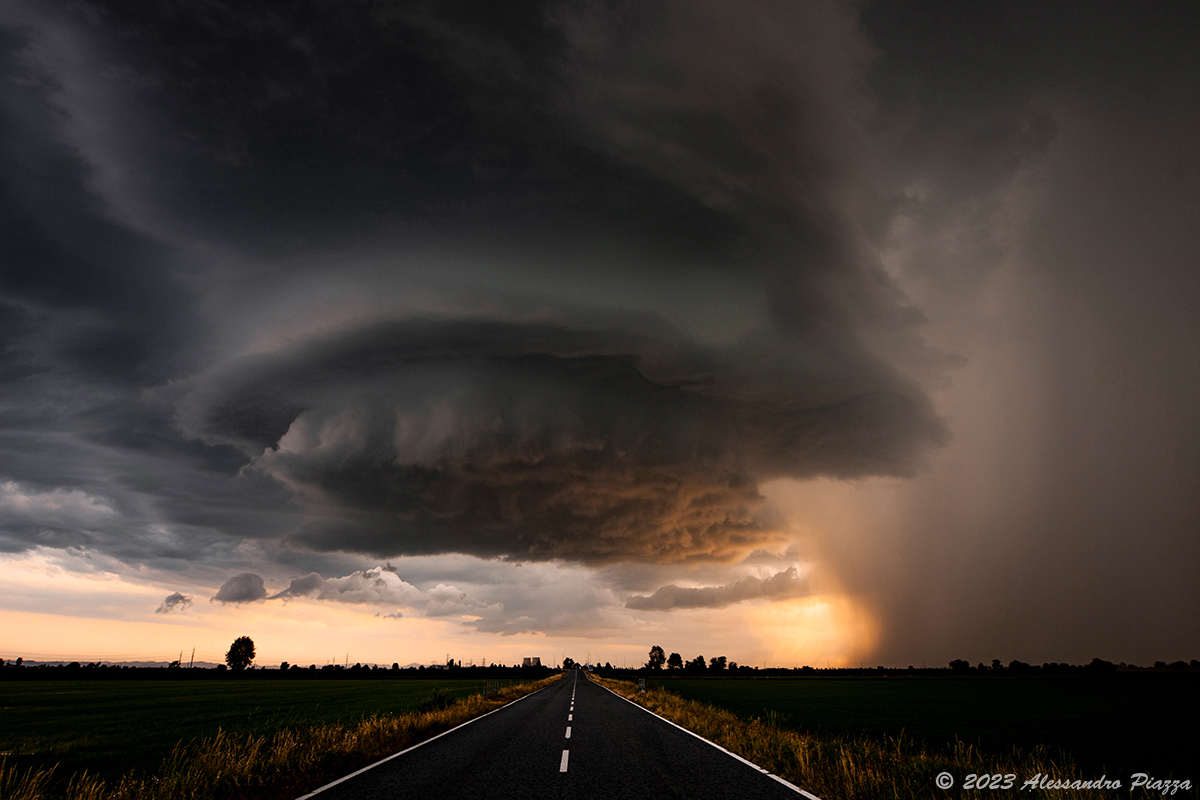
pixel 844 767
pixel 276 766
pixel 110 728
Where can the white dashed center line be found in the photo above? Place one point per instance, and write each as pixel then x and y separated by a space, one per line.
pixel 563 766
pixel 569 716
pixel 568 732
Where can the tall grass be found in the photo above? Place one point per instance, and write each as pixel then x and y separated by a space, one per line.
pixel 278 766
pixel 863 767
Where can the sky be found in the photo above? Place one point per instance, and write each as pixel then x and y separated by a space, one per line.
pixel 820 333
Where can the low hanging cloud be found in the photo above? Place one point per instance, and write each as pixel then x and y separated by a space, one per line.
pixel 546 441
pixel 244 588
pixel 378 585
pixel 382 585
pixel 175 602
pixel 779 586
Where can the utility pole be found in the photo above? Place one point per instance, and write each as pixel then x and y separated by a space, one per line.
pixel 192 660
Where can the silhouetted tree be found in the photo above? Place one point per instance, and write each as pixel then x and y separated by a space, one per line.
pixel 657 658
pixel 716 663
pixel 675 661
pixel 960 665
pixel 241 653
pixel 696 663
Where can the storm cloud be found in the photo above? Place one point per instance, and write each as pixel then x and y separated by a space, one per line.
pixel 601 285
pixel 544 441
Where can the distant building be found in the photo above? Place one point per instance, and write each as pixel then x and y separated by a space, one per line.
pixel 535 661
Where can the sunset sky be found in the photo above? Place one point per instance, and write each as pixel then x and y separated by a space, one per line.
pixel 795 332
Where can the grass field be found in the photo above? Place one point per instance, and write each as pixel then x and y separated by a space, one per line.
pixel 111 727
pixel 879 766
pixel 1120 725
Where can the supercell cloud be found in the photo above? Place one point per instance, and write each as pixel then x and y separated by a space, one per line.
pixel 289 292
pixel 546 440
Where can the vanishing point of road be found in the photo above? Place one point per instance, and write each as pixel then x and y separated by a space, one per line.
pixel 572 739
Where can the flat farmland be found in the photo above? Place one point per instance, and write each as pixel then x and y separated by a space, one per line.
pixel 110 727
pixel 1120 725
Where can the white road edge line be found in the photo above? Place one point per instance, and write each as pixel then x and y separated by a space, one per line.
pixel 345 778
pixel 771 775
pixel 562 767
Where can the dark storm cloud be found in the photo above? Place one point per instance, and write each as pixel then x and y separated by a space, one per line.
pixel 543 441
pixel 780 585
pixel 323 123
pixel 61 252
pixel 174 602
pixel 657 234
pixel 244 588
pixel 175 158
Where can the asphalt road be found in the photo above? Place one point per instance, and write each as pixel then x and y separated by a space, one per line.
pixel 573 739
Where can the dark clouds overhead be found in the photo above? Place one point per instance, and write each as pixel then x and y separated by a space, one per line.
pixel 540 440
pixel 535 156
pixel 545 280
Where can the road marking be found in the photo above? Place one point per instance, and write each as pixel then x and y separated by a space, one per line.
pixel 750 764
pixel 563 766
pixel 568 732
pixel 418 744
pixel 569 717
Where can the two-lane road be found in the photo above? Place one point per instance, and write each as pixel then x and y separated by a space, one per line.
pixel 573 739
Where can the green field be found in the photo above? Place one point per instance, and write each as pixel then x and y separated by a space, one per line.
pixel 112 727
pixel 1120 725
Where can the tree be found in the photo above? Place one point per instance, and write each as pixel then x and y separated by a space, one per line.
pixel 717 663
pixel 241 653
pixel 657 658
pixel 675 661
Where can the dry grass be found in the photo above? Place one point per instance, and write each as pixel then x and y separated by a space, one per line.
pixel 863 768
pixel 285 764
